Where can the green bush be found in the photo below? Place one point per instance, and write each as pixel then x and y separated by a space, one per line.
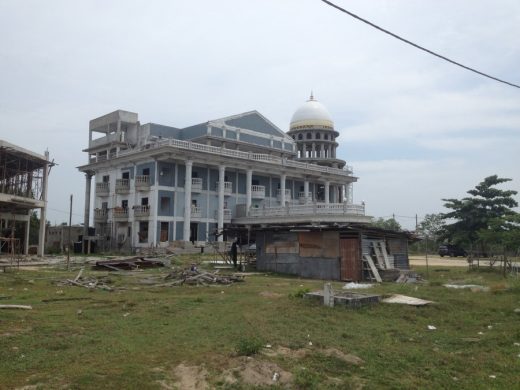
pixel 249 346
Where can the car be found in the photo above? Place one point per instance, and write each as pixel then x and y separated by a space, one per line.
pixel 451 250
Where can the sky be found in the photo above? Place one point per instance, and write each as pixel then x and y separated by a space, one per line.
pixel 415 129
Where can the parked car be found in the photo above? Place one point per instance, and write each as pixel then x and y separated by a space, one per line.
pixel 451 250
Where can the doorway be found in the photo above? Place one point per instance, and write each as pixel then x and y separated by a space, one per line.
pixel 350 259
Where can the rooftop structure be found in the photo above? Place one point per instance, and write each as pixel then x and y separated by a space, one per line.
pixel 157 183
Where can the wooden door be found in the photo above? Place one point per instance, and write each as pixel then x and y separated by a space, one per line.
pixel 350 259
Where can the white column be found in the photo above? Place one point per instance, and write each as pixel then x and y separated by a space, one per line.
pixel 282 190
pixel 249 183
pixel 220 212
pixel 187 202
pixel 327 185
pixel 43 210
pixel 306 191
pixel 154 206
pixel 86 218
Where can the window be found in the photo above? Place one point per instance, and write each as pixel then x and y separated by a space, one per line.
pixel 300 136
pixel 318 136
pixel 146 171
pixel 104 205
pixel 309 135
pixel 194 175
pixel 164 231
pixel 144 201
pixel 125 175
pixel 143 232
pixel 124 204
pixel 326 136
pixel 255 182
pixel 165 204
pixel 106 179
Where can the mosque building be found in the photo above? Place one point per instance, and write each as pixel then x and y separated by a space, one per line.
pixel 154 184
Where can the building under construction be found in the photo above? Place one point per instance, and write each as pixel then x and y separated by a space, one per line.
pixel 23 188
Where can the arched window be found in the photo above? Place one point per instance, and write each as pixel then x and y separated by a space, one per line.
pixel 309 135
pixel 326 136
pixel 318 136
pixel 300 136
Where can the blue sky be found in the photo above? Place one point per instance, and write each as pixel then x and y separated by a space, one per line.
pixel 415 129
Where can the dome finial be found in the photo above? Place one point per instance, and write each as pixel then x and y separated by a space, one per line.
pixel 312 96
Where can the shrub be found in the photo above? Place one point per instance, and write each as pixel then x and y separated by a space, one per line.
pixel 249 346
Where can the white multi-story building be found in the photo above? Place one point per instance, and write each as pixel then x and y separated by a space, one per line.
pixel 156 183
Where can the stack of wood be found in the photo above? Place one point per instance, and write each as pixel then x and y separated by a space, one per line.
pixel 87 282
pixel 200 278
pixel 131 263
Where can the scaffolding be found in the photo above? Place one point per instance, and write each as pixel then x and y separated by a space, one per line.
pixel 23 182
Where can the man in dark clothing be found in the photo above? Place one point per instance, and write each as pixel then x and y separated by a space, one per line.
pixel 234 253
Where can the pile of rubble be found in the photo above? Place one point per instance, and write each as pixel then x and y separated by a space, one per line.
pixel 200 278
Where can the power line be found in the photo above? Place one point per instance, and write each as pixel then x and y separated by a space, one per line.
pixel 416 45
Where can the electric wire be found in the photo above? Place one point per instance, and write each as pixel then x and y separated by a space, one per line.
pixel 418 46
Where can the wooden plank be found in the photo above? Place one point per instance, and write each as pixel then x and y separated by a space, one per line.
pixel 377 252
pixel 373 268
pixel 385 255
pixel 23 307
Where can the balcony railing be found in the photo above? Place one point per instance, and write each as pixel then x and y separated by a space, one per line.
pixel 304 198
pixel 142 211
pixel 196 184
pixel 257 192
pixel 100 215
pixel 103 188
pixel 309 209
pixel 227 215
pixel 196 212
pixel 120 213
pixel 287 195
pixel 228 187
pixel 122 186
pixel 142 182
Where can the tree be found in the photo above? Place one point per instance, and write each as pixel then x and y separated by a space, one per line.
pixel 432 226
pixel 388 224
pixel 478 213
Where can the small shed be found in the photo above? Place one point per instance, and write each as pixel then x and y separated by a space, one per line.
pixel 348 253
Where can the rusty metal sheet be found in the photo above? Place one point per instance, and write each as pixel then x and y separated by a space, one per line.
pixel 311 244
pixel 330 244
pixel 350 259
pixel 278 247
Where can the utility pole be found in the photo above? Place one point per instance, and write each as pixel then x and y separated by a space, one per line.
pixel 416 223
pixel 70 228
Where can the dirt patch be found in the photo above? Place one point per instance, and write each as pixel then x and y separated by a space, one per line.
pixel 287 352
pixel 256 372
pixel 269 294
pixel 346 357
pixel 188 377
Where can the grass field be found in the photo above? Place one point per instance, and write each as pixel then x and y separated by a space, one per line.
pixel 197 337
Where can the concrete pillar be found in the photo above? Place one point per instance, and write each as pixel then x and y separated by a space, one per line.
pixel 322 153
pixel 153 204
pixel 327 187
pixel 306 191
pixel 313 153
pixel 187 202
pixel 220 210
pixel 282 190
pixel 27 231
pixel 249 183
pixel 43 210
pixel 86 213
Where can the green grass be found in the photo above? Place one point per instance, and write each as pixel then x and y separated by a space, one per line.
pixel 134 338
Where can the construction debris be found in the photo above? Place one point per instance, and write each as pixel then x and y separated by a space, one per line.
pixel 409 277
pixel 348 299
pixel 406 300
pixel 200 278
pixel 87 282
pixel 356 286
pixel 472 287
pixel 128 264
pixel 23 307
